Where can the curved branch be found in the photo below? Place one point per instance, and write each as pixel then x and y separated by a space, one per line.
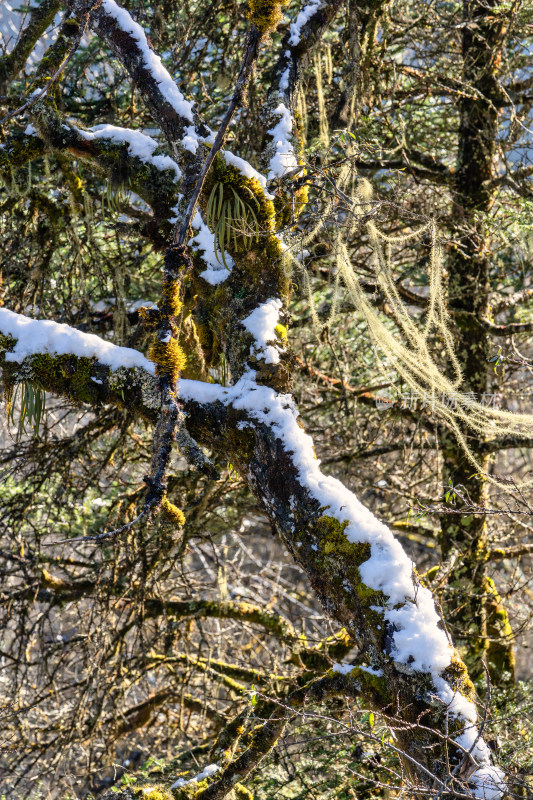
pixel 359 571
pixel 128 41
pixel 508 329
pixel 499 553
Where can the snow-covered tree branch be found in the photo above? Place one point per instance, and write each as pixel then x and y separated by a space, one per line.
pixel 209 370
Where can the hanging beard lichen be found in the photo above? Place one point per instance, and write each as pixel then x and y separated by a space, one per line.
pixel 410 354
pixel 323 123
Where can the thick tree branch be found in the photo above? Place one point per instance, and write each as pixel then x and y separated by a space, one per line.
pixel 256 429
pixel 128 42
pixel 513 551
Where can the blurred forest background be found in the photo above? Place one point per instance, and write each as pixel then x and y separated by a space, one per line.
pixel 123 658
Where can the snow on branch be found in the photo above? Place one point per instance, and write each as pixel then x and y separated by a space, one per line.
pixel 418 643
pixel 152 61
pixel 283 158
pixel 304 34
pixel 139 145
pixel 171 110
pixel 35 336
pixel 303 17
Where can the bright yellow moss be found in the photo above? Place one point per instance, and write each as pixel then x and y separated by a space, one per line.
pixel 168 357
pixel 151 793
pixel 302 198
pixel 242 793
pixel 172 296
pixel 50 581
pixel 265 14
pixel 457 674
pixel 172 513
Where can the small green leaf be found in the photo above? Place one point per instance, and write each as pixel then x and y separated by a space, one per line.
pixel 253 696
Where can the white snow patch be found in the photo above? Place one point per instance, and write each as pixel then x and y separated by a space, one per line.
pixel 284 158
pixel 261 323
pixel 44 336
pixel 137 304
pixel 216 271
pixel 190 140
pixel 489 783
pixel 139 145
pixel 284 80
pixel 343 668
pixel 304 16
pixel 207 772
pixel 372 671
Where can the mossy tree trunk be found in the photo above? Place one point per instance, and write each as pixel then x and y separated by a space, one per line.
pixel 479 622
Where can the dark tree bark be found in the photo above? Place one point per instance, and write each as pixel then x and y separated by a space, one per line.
pixel 477 616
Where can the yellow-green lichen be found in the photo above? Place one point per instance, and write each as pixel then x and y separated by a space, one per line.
pixel 69 375
pixel 265 14
pixel 500 653
pixel 171 296
pixel 333 540
pixel 172 513
pixel 336 552
pixel 168 357
pixel 196 368
pixel 431 573
pixel 242 793
pixel 281 332
pixel 457 676
pixel 154 793
pixel 289 204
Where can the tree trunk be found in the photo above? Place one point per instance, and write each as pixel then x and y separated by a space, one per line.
pixel 478 619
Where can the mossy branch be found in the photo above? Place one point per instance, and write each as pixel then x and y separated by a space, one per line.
pixel 40 17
